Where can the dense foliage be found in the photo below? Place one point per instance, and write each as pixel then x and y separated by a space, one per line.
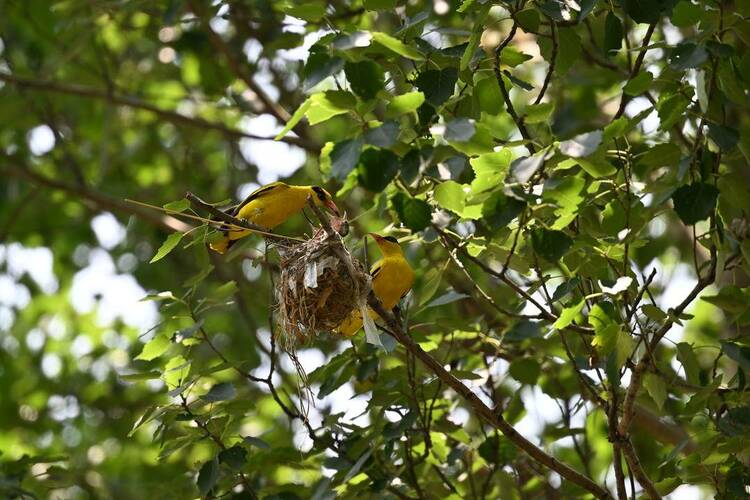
pixel 570 182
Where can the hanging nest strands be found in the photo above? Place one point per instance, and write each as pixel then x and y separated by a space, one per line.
pixel 316 289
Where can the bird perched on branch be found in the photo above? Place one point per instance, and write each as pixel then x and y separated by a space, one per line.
pixel 392 278
pixel 271 205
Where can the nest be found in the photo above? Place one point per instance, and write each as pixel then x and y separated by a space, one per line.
pixel 317 289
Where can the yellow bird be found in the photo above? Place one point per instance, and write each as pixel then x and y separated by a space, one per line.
pixel 392 278
pixel 271 205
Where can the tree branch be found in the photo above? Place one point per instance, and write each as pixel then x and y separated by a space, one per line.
pixel 133 102
pixel 636 68
pixel 98 199
pixel 506 95
pixel 636 377
pixel 637 470
pixel 553 61
pixel 492 417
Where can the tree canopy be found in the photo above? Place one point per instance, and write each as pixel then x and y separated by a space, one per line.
pixel 569 181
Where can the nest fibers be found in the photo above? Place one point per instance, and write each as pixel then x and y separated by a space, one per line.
pixel 317 289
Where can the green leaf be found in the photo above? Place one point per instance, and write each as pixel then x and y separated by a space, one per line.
pixel 488 95
pixel 686 14
pixel 550 245
pixel 605 339
pixel 318 67
pixel 656 388
pixel 528 20
pixel 525 370
pixel 178 206
pixel 225 290
pixel 596 167
pixel 695 202
pixel 357 39
pixel 220 392
pixel 517 81
pixel 569 49
pixel 639 84
pixel 451 196
pixel 344 157
pixel 377 167
pixel 414 213
pixel 294 120
pixel 397 46
pixel 653 313
pixel 154 348
pixel 730 299
pixel 208 476
pixel 489 170
pixel 471 48
pixel 736 422
pixel 671 110
pixel 499 210
pixel 689 363
pixel 660 155
pixel 365 78
pixel 459 130
pixel 687 55
pixel 522 169
pixel 357 465
pixel 566 193
pixel 565 289
pixel 613 33
pixel 326 105
pixel 169 244
pixel 431 283
pixel 405 103
pixel 738 353
pixel 724 137
pixel 307 10
pixel 235 457
pixel 379 4
pixel 607 336
pixel 539 113
pixel 257 442
pixel 383 136
pixel 646 11
pixel 437 85
pixel 134 377
pixel 512 57
pixel 447 298
pixel 582 144
pixel 568 314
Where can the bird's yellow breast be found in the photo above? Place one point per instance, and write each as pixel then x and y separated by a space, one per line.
pixel 394 279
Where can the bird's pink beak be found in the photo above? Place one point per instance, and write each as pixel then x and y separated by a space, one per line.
pixel 330 205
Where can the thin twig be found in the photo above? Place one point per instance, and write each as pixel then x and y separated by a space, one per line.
pixel 636 68
pixel 514 286
pixel 506 96
pixel 636 377
pixel 553 61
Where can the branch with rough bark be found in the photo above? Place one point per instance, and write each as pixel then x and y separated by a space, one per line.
pixel 491 416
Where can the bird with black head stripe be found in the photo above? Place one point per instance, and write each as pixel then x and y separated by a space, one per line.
pixel 271 205
pixel 392 278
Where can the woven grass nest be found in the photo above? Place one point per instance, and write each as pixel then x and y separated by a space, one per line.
pixel 316 289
